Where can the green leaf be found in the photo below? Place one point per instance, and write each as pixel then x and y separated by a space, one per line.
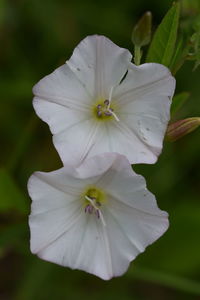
pixel 162 47
pixel 178 101
pixel 165 279
pixel 10 194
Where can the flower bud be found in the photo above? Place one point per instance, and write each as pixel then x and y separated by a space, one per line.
pixel 141 35
pixel 180 128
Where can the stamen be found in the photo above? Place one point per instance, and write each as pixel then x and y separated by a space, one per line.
pixel 99 113
pixel 105 109
pixel 106 102
pixel 86 208
pixel 90 208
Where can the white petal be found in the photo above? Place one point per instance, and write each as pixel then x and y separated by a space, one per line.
pixel 84 247
pixel 150 78
pixel 136 227
pixel 126 140
pixel 63 87
pixel 117 137
pixel 63 233
pixel 55 205
pixel 120 181
pixel 76 142
pixel 61 100
pixel 144 99
pixel 99 64
pixel 96 166
pixel 58 117
pixel 133 219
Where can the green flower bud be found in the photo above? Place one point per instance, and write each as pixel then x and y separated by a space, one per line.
pixel 180 128
pixel 141 34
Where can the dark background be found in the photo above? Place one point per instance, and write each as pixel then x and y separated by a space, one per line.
pixel 36 37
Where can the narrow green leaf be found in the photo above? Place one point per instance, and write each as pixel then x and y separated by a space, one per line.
pixel 180 55
pixel 178 101
pixel 10 195
pixel 162 47
pixel 168 280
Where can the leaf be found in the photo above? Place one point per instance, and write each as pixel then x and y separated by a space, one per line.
pixel 166 279
pixel 10 195
pixel 169 280
pixel 162 47
pixel 178 101
pixel 180 55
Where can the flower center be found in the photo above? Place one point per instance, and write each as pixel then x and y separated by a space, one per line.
pixel 94 199
pixel 104 111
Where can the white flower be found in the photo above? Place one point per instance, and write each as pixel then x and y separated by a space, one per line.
pixel 96 217
pixel 100 102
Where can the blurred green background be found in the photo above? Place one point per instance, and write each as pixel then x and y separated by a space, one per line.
pixel 36 37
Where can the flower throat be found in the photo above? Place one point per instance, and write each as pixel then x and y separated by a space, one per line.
pixel 94 199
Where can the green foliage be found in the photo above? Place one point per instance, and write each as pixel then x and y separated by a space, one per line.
pixel 190 7
pixel 12 235
pixel 11 196
pixel 178 101
pixel 167 280
pixel 179 241
pixel 162 46
pixel 195 40
pixel 36 37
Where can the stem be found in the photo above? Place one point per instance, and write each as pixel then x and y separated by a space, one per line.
pixel 137 55
pixel 168 280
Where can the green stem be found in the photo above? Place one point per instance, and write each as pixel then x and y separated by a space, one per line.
pixel 137 55
pixel 168 280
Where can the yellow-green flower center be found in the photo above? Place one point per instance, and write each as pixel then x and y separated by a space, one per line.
pixel 94 198
pixel 103 111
